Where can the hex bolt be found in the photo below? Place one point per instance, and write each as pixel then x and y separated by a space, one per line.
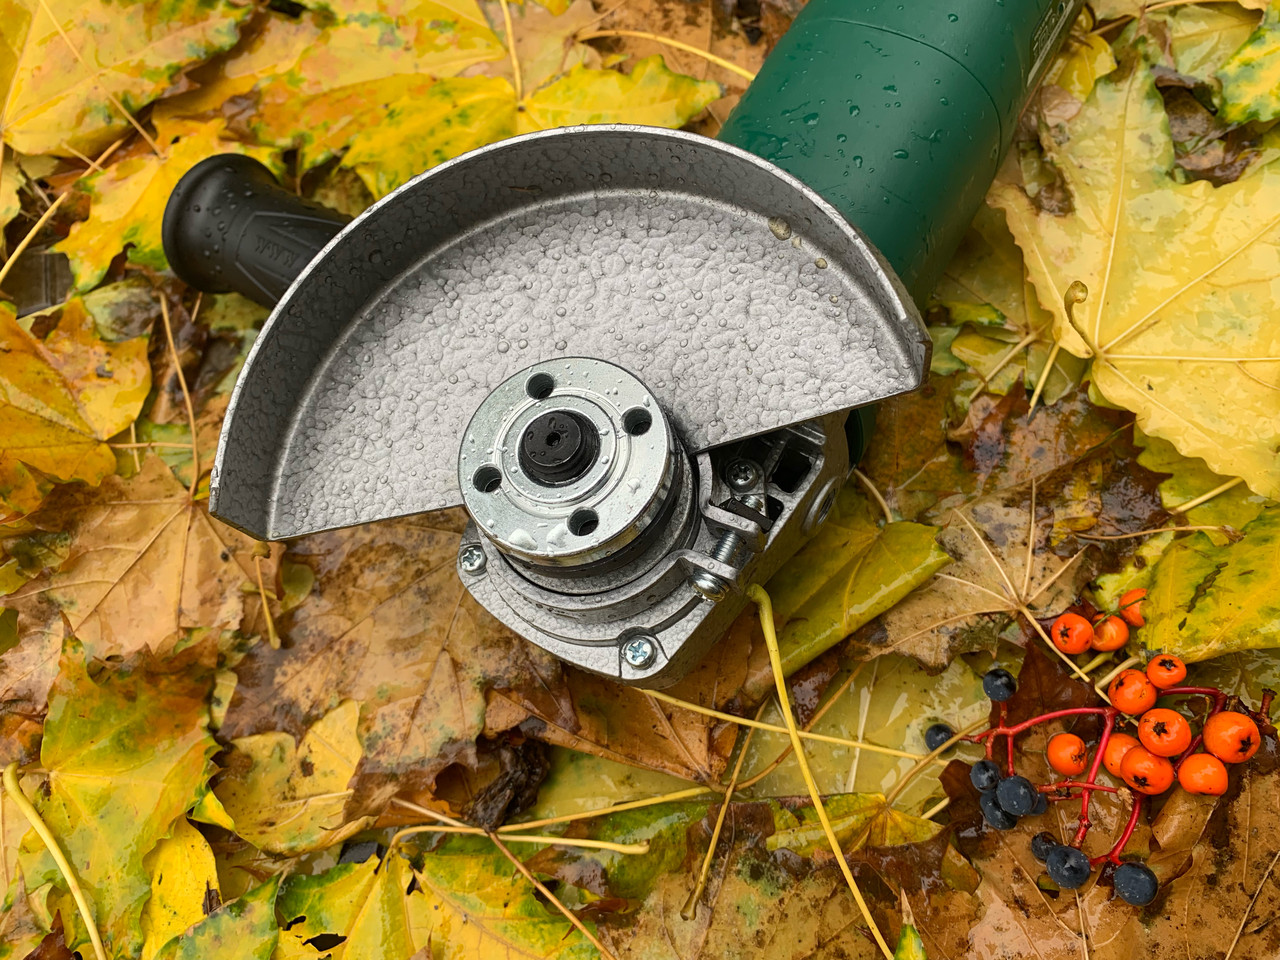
pixel 741 475
pixel 640 651
pixel 471 559
pixel 714 588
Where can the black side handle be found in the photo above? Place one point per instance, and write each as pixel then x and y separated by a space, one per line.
pixel 229 225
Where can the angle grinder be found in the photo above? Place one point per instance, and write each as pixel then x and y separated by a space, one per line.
pixel 643 360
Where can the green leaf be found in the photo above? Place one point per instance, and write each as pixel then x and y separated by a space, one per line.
pixel 359 902
pixel 288 797
pixel 1206 600
pixel 910 946
pixel 1190 478
pixel 848 574
pixel 244 929
pixel 1251 76
pixel 126 756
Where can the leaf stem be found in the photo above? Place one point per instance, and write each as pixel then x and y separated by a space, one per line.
pixel 186 396
pixel 1207 496
pixel 925 762
pixel 14 789
pixel 668 41
pixel 605 811
pixel 876 495
pixel 761 598
pixel 629 848
pixel 511 50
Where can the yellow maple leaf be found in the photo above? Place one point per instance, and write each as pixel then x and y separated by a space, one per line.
pixel 457 115
pixel 78 65
pixel 1181 315
pixel 61 397
pixel 128 201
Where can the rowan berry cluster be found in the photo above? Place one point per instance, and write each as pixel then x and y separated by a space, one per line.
pixel 1145 746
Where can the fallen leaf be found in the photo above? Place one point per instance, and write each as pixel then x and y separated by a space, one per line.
pixel 125 756
pixel 858 820
pixel 20 929
pixel 354 911
pixel 1189 358
pixel 146 563
pixel 11 180
pixel 77 69
pixel 184 886
pixel 244 929
pixel 61 396
pixel 1002 329
pixel 289 798
pixel 1206 600
pixel 1251 76
pixel 127 201
pixel 424 128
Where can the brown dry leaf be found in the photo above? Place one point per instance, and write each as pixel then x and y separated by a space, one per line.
pixel 146 564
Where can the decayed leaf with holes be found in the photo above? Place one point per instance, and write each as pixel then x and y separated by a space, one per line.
pixel 127 201
pixel 1206 600
pixel 354 911
pixel 146 564
pixel 1001 329
pixel 244 929
pixel 184 886
pixel 426 128
pixel 61 396
pixel 289 798
pixel 78 67
pixel 1251 77
pixel 1181 314
pixel 125 756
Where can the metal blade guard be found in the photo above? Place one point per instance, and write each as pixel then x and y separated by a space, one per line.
pixel 631 353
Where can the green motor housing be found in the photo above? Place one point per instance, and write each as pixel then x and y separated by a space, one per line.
pixel 899 112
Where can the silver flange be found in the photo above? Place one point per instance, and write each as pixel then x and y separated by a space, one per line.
pixel 567 462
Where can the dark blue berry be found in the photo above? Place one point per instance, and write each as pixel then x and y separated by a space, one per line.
pixel 1135 884
pixel 1067 866
pixel 1042 804
pixel 994 814
pixel 999 684
pixel 984 775
pixel 937 735
pixel 1016 796
pixel 1041 844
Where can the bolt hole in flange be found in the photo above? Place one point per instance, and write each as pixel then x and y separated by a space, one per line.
pixel 539 386
pixel 487 479
pixel 583 522
pixel 637 421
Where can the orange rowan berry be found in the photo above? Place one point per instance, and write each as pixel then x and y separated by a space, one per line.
pixel 1131 606
pixel 1071 633
pixel 1164 732
pixel 1145 772
pixel 1067 754
pixel 1166 671
pixel 1117 747
pixel 1132 692
pixel 1110 633
pixel 1203 773
pixel 1231 737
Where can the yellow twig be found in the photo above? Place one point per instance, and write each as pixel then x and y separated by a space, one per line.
pixel 1225 531
pixel 511 50
pixel 1001 364
pixel 26 241
pixel 629 848
pixel 551 897
pixel 936 809
pixel 428 812
pixel 675 44
pixel 875 494
pixel 774 728
pixel 1044 376
pixel 273 638
pixel 786 752
pixel 186 396
pixel 605 811
pixel 20 800
pixel 1206 496
pixel 690 908
pixel 923 765
pixel 761 598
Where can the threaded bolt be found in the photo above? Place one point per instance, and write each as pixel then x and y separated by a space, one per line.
pixel 472 559
pixel 712 587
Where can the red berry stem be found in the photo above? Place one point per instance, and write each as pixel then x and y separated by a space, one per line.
pixel 1109 724
pixel 1114 853
pixel 1219 698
